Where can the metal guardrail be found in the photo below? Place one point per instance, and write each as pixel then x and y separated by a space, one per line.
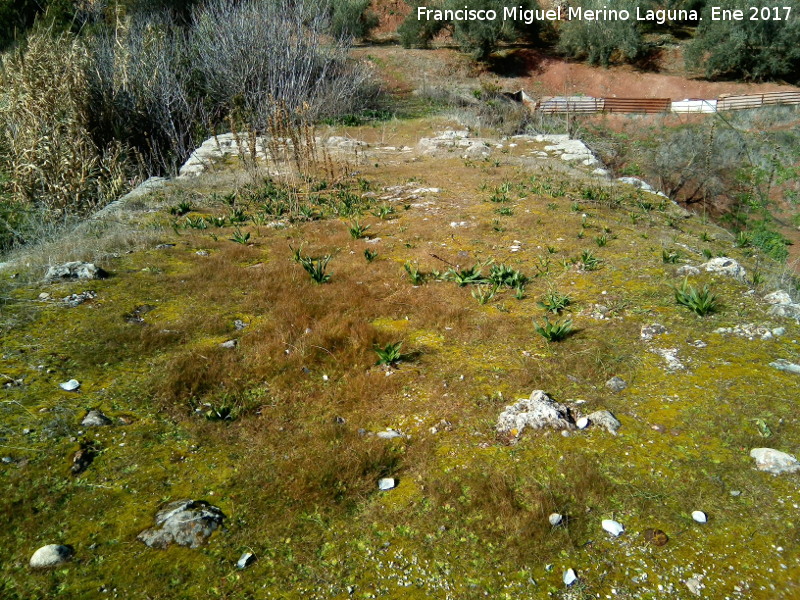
pixel 757 100
pixel 570 104
pixel 637 105
pixel 591 105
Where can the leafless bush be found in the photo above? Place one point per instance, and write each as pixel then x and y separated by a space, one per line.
pixel 164 88
pixel 140 84
pixel 250 55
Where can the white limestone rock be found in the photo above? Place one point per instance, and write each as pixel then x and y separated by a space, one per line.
pixel 537 412
pixel 774 461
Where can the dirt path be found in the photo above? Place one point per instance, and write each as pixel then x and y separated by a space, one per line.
pixel 541 75
pixel 548 75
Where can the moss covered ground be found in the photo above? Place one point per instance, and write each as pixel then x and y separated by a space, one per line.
pixel 278 431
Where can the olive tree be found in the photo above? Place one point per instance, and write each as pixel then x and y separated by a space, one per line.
pixel 752 50
pixel 602 42
pixel 478 38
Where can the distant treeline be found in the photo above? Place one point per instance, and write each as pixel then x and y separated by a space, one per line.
pixel 761 49
pixel 753 50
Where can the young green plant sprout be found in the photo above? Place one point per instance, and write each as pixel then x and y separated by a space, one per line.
pixel 670 256
pixel 370 255
pixel 315 267
pixel 237 216
pixel 554 332
pixel 181 209
pixel 589 261
pixel 357 230
pixel 384 212
pixel 467 276
pixel 240 237
pixel 555 302
pixel 743 240
pixel 196 223
pixel 484 294
pixel 389 355
pixel 504 275
pixel 416 276
pixel 701 302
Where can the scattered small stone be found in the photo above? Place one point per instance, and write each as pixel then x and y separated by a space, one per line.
pixel 389 434
pixel 537 412
pixel 230 344
pixel 203 253
pixel 671 356
pixel 656 537
pixel 788 311
pixel 136 316
pixel 603 418
pixel 694 584
pixel 247 559
pixel 238 324
pixel 95 418
pixel 555 519
pixel 74 300
pixel 387 483
pixel 778 297
pixel 570 577
pixel 736 493
pixel 184 522
pixel 726 266
pixel 51 555
pixel 44 296
pixel 598 312
pixel 752 331
pixel 784 365
pixel 687 270
pixel 699 516
pixel 650 331
pixel 70 386
pixel 774 461
pixel 612 527
pixel 11 382
pixel 443 425
pixel 74 270
pixel 7 460
pixel 616 384
pixel 582 423
pixel 339 420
